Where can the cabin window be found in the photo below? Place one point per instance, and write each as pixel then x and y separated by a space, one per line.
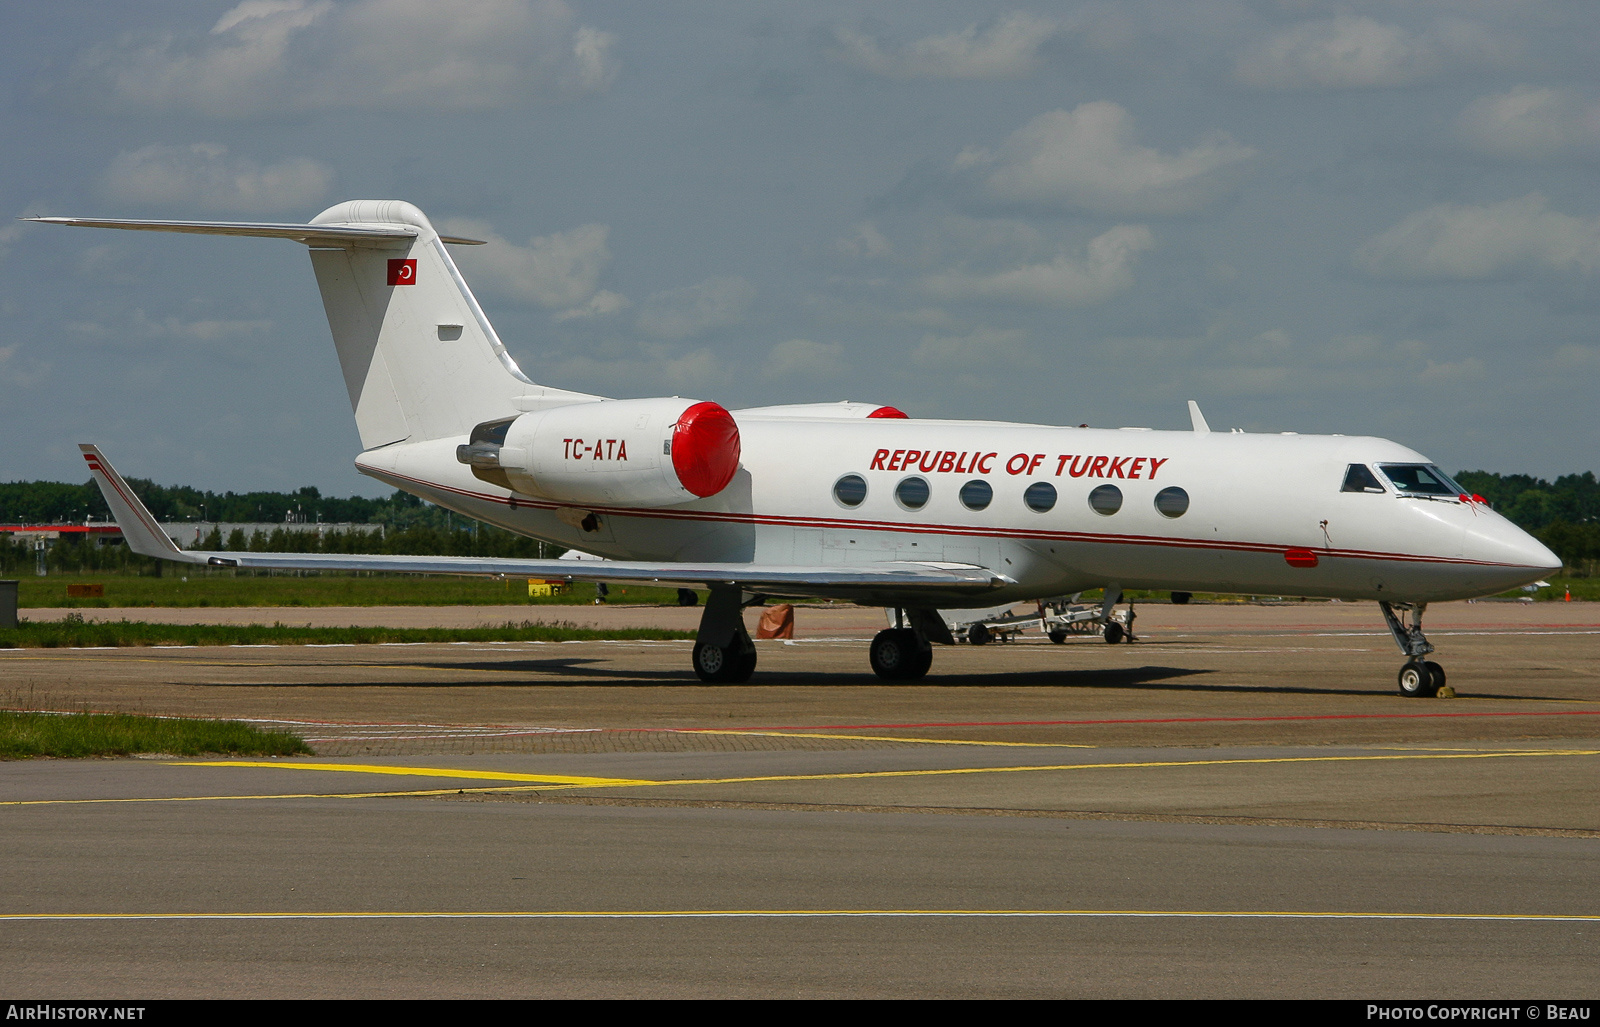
pixel 912 493
pixel 1040 497
pixel 1419 480
pixel 1107 500
pixel 850 490
pixel 976 494
pixel 1172 502
pixel 1359 479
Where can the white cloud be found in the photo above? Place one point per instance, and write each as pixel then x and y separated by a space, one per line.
pixel 25 373
pixel 599 305
pixel 692 309
pixel 206 176
pixel 864 241
pixel 8 235
pixel 1357 52
pixel 1105 270
pixel 1459 242
pixel 560 270
pixel 979 348
pixel 1530 123
pixel 1007 48
pixel 1088 159
pixel 267 57
pixel 802 358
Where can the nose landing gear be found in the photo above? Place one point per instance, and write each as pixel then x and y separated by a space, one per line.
pixel 1419 676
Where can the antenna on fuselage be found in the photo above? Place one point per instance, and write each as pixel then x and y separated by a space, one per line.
pixel 1197 418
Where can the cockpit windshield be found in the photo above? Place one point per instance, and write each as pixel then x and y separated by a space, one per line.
pixel 1358 479
pixel 1420 480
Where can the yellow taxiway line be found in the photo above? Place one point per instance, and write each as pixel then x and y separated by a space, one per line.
pixel 781 914
pixel 545 782
pixel 600 782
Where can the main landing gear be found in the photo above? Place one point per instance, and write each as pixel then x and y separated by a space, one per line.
pixel 1419 676
pixel 723 651
pixel 904 652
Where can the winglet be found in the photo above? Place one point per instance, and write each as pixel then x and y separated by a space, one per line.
pixel 139 529
pixel 1197 418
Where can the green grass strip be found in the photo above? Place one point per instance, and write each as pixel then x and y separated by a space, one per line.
pixel 124 633
pixel 76 735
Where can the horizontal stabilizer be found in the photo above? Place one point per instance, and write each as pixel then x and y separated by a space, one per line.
pixel 311 235
pixel 144 537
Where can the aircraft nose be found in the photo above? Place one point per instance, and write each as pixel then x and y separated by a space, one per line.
pixel 1496 540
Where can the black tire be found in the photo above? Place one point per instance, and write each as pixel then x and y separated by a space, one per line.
pixel 1181 598
pixel 1436 672
pixel 1114 632
pixel 1416 681
pixel 977 634
pixel 919 665
pixel 718 666
pixel 688 597
pixel 894 655
pixel 1058 637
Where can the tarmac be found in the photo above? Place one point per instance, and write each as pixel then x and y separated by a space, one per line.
pixel 1239 804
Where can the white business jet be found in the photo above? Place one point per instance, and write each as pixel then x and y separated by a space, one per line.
pixel 850 500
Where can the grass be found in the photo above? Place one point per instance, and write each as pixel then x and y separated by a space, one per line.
pixel 201 587
pixel 78 634
pixel 76 735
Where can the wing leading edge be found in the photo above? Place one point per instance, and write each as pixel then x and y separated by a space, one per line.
pixel 871 583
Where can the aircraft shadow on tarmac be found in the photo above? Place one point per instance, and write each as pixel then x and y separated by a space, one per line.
pixel 584 672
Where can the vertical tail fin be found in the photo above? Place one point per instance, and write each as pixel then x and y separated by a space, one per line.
pixel 420 359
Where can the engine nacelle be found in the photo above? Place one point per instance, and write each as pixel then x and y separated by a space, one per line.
pixel 621 452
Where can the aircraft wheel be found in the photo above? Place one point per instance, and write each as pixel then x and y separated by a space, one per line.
pixel 688 597
pixel 895 657
pixel 717 666
pixel 1058 637
pixel 1417 680
pixel 1114 633
pixel 919 665
pixel 977 634
pixel 1436 673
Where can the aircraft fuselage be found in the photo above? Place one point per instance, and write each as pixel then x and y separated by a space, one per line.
pixel 1262 514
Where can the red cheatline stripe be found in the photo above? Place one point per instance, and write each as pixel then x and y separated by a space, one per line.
pixel 951 529
pixel 1149 720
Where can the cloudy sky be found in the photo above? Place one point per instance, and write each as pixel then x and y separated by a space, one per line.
pixel 1359 217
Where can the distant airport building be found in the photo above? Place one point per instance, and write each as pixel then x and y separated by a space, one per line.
pixel 187 534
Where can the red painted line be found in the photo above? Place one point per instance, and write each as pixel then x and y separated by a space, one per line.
pixel 902 527
pixel 1151 720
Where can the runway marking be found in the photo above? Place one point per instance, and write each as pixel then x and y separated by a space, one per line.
pixel 472 775
pixel 541 782
pixel 574 782
pixel 873 738
pixel 1158 720
pixel 788 914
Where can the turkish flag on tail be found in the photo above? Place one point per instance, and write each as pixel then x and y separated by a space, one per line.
pixel 403 272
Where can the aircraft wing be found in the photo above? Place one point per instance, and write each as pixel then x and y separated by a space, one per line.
pixel 869 583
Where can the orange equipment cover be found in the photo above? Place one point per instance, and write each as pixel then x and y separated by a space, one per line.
pixel 776 622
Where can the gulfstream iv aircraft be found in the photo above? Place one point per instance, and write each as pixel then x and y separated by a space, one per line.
pixel 850 500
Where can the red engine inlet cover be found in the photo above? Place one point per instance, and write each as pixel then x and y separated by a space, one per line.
pixel 705 449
